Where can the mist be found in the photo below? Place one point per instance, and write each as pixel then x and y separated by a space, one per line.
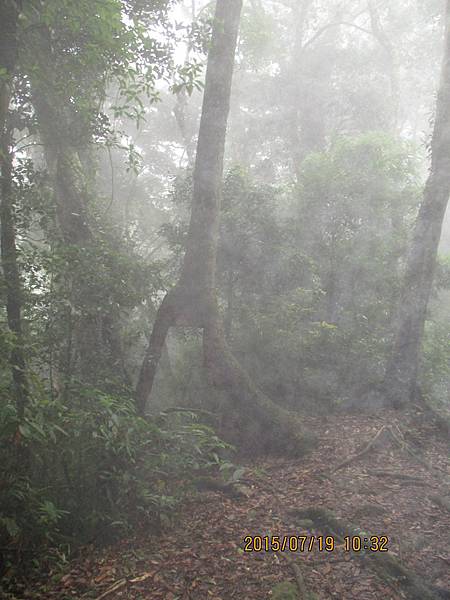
pixel 224 296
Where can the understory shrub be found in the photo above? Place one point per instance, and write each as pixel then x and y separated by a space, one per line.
pixel 85 471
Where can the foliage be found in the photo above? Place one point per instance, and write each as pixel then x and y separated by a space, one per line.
pixel 285 590
pixel 88 470
pixel 317 212
pixel 322 273
pixel 312 273
pixel 81 466
pixel 436 361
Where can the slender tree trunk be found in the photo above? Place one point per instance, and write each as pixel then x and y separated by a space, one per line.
pixel 70 195
pixel 389 49
pixel 12 278
pixel 63 163
pixel 265 426
pixel 296 76
pixel 228 320
pixel 402 368
pixel 165 317
pixel 72 174
pixel 180 110
pixel 69 190
pixel 181 117
pixel 9 14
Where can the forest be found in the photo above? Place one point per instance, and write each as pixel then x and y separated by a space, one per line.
pixel 224 299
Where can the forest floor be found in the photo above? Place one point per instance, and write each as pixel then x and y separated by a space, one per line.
pixel 394 489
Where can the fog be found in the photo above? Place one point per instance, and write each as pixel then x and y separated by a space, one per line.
pixel 224 299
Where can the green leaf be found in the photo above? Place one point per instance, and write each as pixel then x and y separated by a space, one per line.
pixel 11 526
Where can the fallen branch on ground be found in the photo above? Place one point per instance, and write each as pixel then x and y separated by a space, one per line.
pixel 384 564
pixel 396 475
pixel 397 436
pixel 121 583
pixel 228 488
pixel 299 580
pixel 363 452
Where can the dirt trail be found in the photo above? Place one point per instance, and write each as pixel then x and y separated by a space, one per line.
pixel 387 492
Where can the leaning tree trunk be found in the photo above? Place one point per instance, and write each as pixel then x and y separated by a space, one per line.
pixel 402 368
pixel 9 14
pixel 265 426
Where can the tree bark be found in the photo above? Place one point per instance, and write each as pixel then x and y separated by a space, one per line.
pixel 9 14
pixel 165 317
pixel 299 15
pixel 187 303
pixel 228 320
pixel 11 275
pixel 389 49
pixel 193 302
pixel 67 148
pixel 402 367
pixel 63 163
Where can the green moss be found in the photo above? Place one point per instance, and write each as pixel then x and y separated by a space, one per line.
pixel 285 591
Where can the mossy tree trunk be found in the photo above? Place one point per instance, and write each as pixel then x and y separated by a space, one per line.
pixel 9 15
pixel 74 232
pixel 193 301
pixel 402 367
pixel 66 135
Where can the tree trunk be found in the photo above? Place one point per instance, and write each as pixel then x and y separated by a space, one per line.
pixel 72 173
pixel 9 14
pixel 63 163
pixel 402 368
pixel 70 197
pixel 228 320
pixel 12 277
pixel 299 14
pixel 165 317
pixel 389 49
pixel 265 426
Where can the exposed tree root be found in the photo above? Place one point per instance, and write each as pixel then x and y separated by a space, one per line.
pixel 232 489
pixel 396 475
pixel 442 501
pixel 385 565
pixel 396 435
pixel 266 427
pixel 352 459
pixel 398 438
pixel 441 418
pixel 299 579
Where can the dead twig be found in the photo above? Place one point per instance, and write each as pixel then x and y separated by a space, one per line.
pixel 121 583
pixel 114 588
